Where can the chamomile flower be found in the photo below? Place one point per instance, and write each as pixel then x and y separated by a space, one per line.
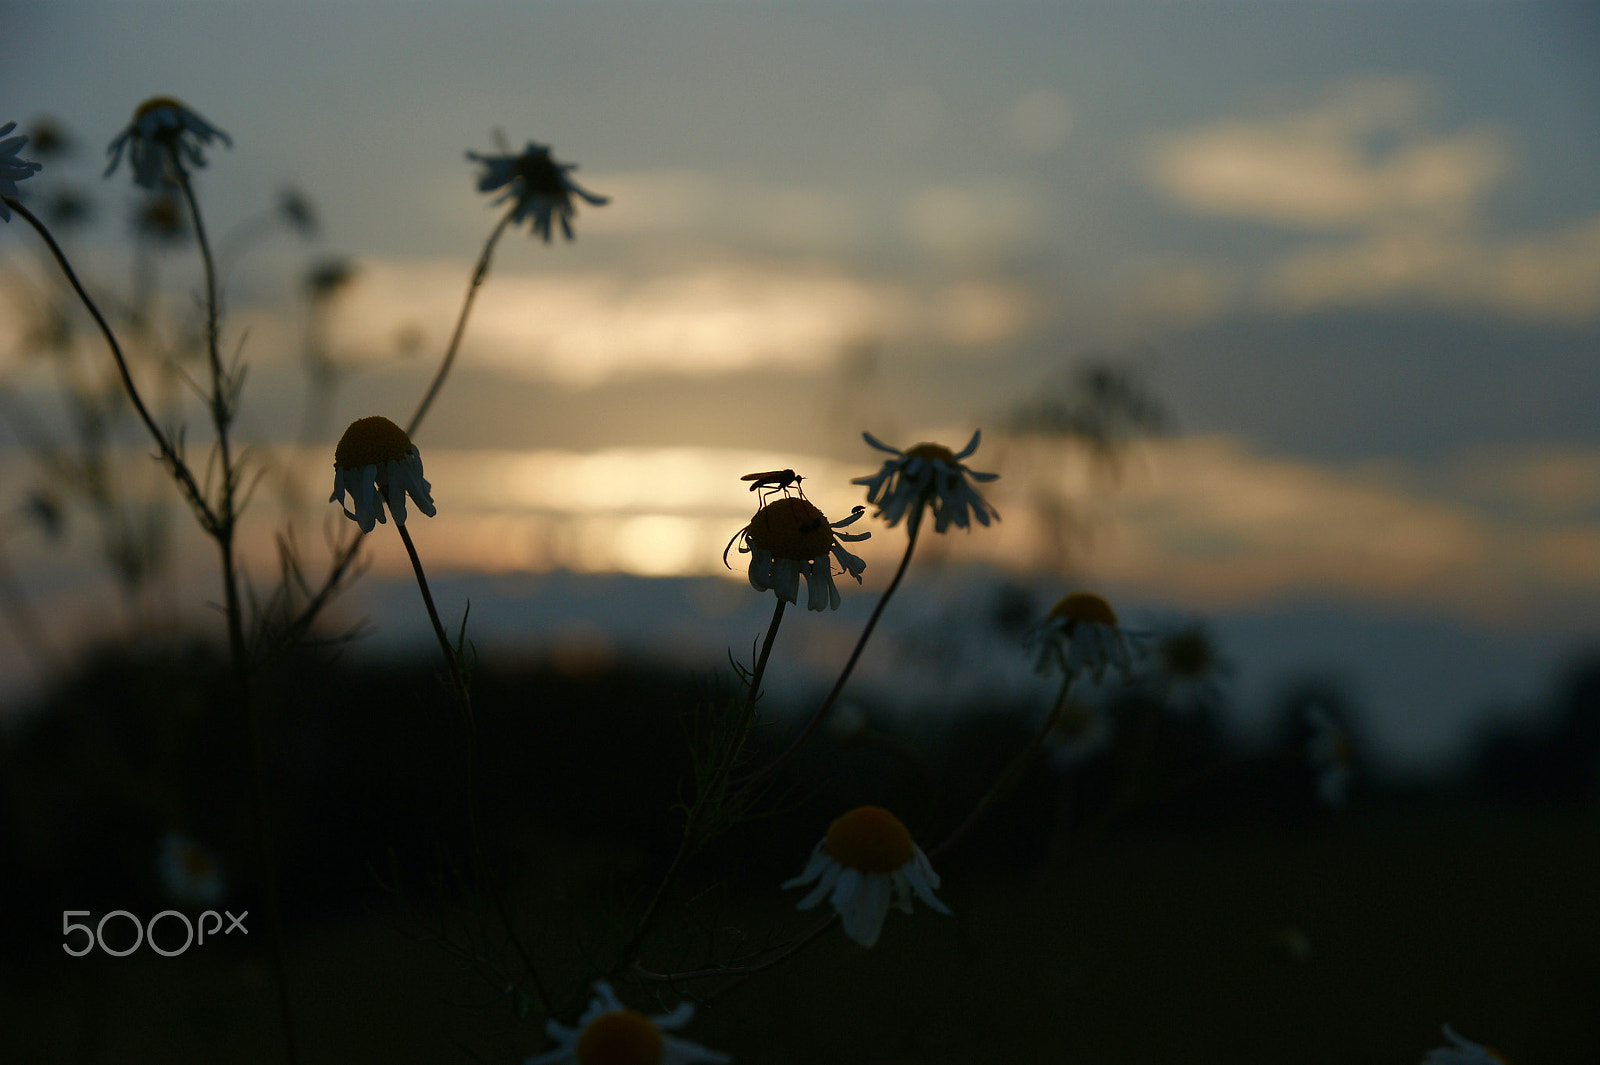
pixel 12 167
pixel 789 539
pixel 376 463
pixel 190 872
pixel 1330 754
pixel 866 863
pixel 163 132
pixel 537 185
pixel 609 1033
pixel 1081 632
pixel 1464 1052
pixel 1188 665
pixel 928 475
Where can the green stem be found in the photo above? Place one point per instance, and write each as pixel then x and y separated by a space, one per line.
pixel 308 615
pixel 711 791
pixel 464 697
pixel 478 274
pixel 433 616
pixel 169 454
pixel 913 523
pixel 223 527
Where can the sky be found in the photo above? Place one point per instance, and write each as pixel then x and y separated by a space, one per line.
pixel 1352 248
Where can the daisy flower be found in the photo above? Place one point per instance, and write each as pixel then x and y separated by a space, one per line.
pixel 789 539
pixel 12 168
pixel 1328 749
pixel 866 863
pixel 1189 666
pixel 189 872
pixel 610 1034
pixel 537 185
pixel 377 463
pixel 928 475
pixel 1081 632
pixel 162 131
pixel 1464 1052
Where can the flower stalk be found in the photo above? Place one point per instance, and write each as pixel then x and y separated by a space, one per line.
pixel 711 794
pixel 479 272
pixel 760 779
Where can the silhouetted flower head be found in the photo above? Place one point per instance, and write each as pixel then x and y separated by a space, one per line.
pixel 1081 633
pixel 1188 664
pixel 866 863
pixel 13 168
pixel 789 539
pixel 328 277
pixel 609 1033
pixel 298 212
pixel 67 207
pixel 376 463
pixel 163 133
pixel 50 138
pixel 189 872
pixel 537 186
pixel 928 475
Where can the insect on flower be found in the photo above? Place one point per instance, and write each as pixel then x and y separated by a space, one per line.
pixel 790 538
pixel 774 480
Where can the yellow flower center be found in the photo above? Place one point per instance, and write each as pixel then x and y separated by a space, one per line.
pixel 620 1037
pixel 369 442
pixel 155 103
pixel 933 452
pixel 791 528
pixel 1086 607
pixel 870 839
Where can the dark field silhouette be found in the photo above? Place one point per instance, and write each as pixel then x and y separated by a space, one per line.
pixel 1213 910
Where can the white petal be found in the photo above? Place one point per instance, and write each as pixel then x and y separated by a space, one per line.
pixel 864 910
pixel 831 876
pixel 814 866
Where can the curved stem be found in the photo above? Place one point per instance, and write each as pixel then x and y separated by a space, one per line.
pixel 710 792
pixel 433 616
pixel 221 386
pixel 308 615
pixel 478 273
pixel 464 697
pixel 169 454
pixel 913 523
pixel 1008 779
pixel 224 523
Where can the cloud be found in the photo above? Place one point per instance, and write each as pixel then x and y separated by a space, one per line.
pixel 1362 157
pixel 957 221
pixel 585 328
pixel 1218 522
pixel 1209 522
pixel 1039 122
pixel 695 203
pixel 1553 275
pixel 1389 209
